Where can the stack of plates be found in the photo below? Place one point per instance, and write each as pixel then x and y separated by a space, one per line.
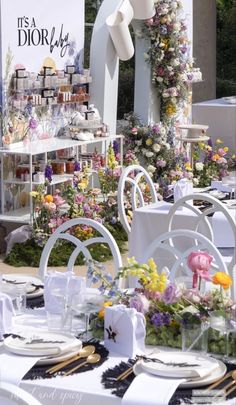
pixel 50 346
pixel 199 370
pixel 217 194
pixel 33 284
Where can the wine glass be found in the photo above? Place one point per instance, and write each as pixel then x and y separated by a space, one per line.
pixel 87 302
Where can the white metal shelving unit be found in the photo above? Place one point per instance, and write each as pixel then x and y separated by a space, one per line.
pixel 25 215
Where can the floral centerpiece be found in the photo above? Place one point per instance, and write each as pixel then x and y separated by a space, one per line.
pixel 168 306
pixel 211 162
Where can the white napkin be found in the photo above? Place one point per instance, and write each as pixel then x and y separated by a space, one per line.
pixel 68 284
pixel 43 349
pixel 6 313
pixel 150 390
pixel 182 188
pixel 13 367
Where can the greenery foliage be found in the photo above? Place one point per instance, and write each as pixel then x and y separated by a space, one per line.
pixel 226 46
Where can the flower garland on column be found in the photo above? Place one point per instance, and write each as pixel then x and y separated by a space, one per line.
pixel 168 56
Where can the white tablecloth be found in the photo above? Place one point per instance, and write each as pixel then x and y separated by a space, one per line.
pixel 221 118
pixel 151 221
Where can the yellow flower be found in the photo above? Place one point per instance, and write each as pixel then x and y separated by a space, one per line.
pixel 188 166
pixel 152 265
pixel 34 194
pixel 106 304
pixel 170 109
pixel 131 261
pixel 233 156
pixel 218 141
pixel 149 142
pixel 226 149
pixel 222 279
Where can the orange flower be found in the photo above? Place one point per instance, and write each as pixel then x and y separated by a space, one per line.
pixel 222 279
pixel 48 198
pixel 215 157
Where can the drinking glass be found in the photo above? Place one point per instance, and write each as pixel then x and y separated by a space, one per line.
pixel 195 337
pixel 87 303
pixel 57 305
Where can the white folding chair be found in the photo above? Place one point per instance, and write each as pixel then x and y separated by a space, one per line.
pixel 177 253
pixel 62 233
pixel 134 176
pixel 12 394
pixel 202 223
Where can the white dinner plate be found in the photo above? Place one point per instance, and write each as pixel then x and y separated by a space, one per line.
pixel 230 203
pixel 172 365
pixel 20 279
pixel 217 194
pixel 215 375
pixel 38 343
pixel 38 292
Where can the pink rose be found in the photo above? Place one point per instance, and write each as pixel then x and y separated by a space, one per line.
pixel 134 131
pixel 199 263
pixel 221 152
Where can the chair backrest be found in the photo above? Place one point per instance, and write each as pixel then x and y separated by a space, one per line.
pixel 62 232
pixel 133 178
pixel 193 241
pixel 11 394
pixel 202 223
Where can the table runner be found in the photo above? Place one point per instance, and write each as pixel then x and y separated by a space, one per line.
pixel 38 371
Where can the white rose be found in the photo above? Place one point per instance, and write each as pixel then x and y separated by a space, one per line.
pixel 176 62
pixel 199 166
pixel 167 145
pixel 195 181
pixel 159 79
pixel 144 151
pixel 151 169
pixel 156 147
pixel 149 154
pixel 176 26
pixel 138 143
pixel 162 131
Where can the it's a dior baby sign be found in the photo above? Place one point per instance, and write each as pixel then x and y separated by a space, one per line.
pixel 43 33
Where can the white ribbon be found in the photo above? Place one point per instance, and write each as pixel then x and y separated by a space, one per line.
pixel 118 24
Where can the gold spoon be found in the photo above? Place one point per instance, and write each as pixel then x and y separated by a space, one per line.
pixel 92 359
pixel 84 352
pixel 231 383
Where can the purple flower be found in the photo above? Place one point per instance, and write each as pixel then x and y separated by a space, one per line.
pixel 156 319
pixel 32 123
pixel 161 163
pixel 170 295
pixel 161 319
pixel 140 303
pixel 77 166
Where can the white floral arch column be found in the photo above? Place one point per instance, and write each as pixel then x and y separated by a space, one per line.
pixel 104 63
